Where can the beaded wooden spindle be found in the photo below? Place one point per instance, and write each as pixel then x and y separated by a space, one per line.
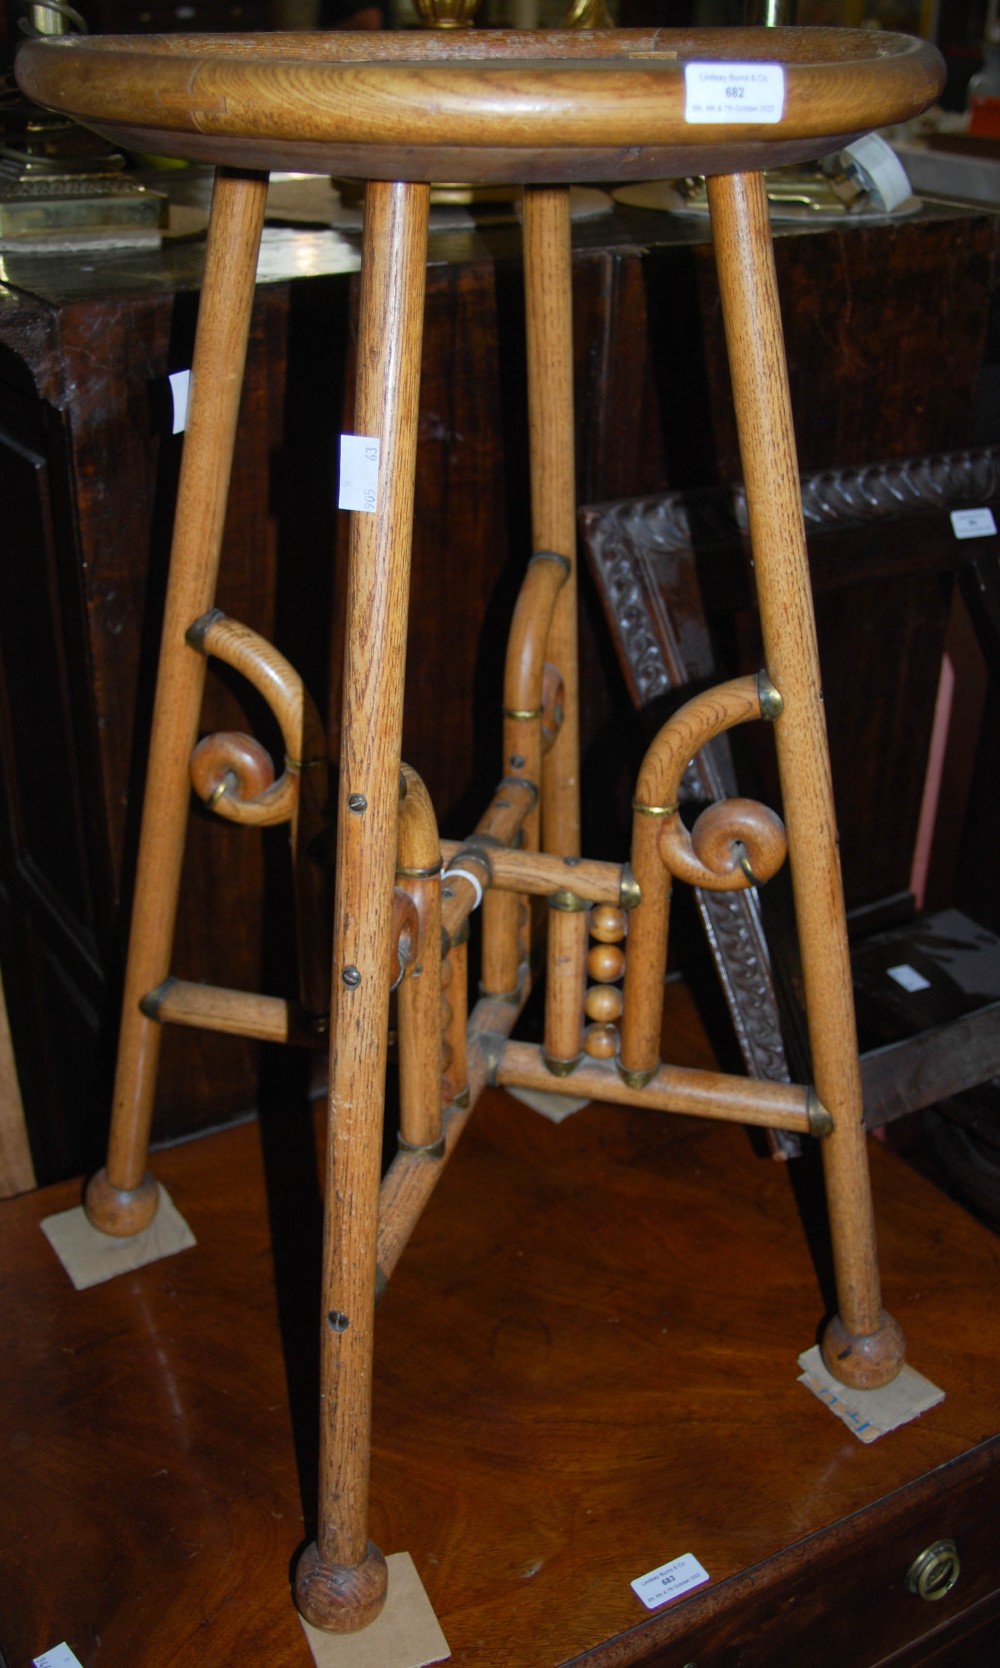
pixel 604 1002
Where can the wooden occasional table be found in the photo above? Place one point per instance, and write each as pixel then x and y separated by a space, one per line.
pixel 586 1366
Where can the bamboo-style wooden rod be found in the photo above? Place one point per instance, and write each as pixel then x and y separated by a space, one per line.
pixel 304 787
pixel 468 881
pixel 523 698
pixel 656 806
pixel 413 1176
pixel 455 978
pixel 419 999
pixel 341 1578
pixel 548 289
pixel 502 951
pixel 684 1089
pixel 120 1198
pixel 237 1013
pixel 866 1346
pixel 541 874
pixel 565 981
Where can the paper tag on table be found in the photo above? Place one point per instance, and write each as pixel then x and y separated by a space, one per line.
pixel 60 1656
pixel 733 92
pixel 973 524
pixel 670 1581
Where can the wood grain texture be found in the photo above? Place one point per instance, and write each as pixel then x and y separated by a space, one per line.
pixel 216 386
pixel 390 327
pixel 748 287
pixel 81 382
pixel 585 1366
pixel 549 341
pixel 547 107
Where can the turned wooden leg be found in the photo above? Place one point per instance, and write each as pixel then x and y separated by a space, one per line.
pixel 122 1198
pixel 341 1578
pixel 549 325
pixel 863 1346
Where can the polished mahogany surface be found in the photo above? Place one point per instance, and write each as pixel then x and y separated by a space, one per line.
pixel 585 1367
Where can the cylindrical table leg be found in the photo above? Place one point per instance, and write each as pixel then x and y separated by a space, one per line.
pixel 341 1578
pixel 862 1346
pixel 122 1198
pixel 549 323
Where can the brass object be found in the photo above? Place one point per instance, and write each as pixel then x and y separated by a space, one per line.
pixel 568 901
pixel 935 1572
pixel 550 556
pixel 635 1079
pixel 421 874
pixel 198 630
pixel 56 178
pixel 772 702
pixel 747 870
pixel 588 14
pixel 226 785
pixel 434 1150
pixel 515 782
pixel 561 1068
pixel 515 712
pixel 820 1120
pixel 630 892
pixel 446 14
pixel 153 1001
pixel 656 810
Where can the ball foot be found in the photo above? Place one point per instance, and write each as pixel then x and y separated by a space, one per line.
pixel 864 1362
pixel 118 1210
pixel 337 1598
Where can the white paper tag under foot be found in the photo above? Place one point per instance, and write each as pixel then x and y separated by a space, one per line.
pixel 407 1634
pixel 870 1413
pixel 90 1257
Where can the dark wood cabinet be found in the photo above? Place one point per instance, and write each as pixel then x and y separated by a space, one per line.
pixel 886 329
pixel 585 1368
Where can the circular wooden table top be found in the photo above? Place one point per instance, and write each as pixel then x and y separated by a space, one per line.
pixel 545 106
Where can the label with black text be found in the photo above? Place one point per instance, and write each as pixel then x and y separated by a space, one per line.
pixel 670 1581
pixel 733 92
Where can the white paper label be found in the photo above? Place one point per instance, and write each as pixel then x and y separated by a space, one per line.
pixel 908 977
pixel 358 472
pixel 60 1656
pixel 733 92
pixel 180 388
pixel 670 1581
pixel 972 524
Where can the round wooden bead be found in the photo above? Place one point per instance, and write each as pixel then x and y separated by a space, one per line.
pixel 604 1003
pixel 607 924
pixel 606 962
pixel 601 1041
